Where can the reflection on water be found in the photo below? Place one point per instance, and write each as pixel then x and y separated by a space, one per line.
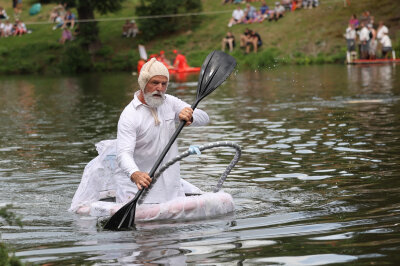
pixel 317 182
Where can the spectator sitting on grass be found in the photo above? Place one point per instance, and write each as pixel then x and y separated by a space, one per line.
pixel 228 41
pixel 7 29
pixel 264 9
pixel 125 28
pixel 58 10
pixel 69 19
pixel 60 22
pixel 19 28
pixel 286 4
pixel 279 11
pixel 244 38
pixel 65 35
pixel 3 13
pixel 237 17
pixel 249 13
pixel 129 29
pixel 254 39
pixel 258 17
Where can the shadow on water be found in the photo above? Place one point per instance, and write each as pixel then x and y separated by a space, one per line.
pixel 317 182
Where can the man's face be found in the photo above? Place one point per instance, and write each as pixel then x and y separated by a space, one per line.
pixel 154 92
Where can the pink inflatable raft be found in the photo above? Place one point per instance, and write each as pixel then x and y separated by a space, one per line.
pixel 93 198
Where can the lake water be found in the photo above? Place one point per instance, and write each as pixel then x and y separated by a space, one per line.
pixel 318 181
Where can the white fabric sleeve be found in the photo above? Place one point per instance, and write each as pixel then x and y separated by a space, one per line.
pixel 200 118
pixel 126 142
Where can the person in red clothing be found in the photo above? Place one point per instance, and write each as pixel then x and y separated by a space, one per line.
pixel 180 61
pixel 161 57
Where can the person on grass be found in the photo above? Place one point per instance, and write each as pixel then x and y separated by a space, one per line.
pixel 253 40
pixel 228 42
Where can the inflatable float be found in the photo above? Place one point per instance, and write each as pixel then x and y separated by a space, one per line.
pixel 96 195
pixel 184 70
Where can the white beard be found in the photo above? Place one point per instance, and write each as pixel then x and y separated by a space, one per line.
pixel 154 101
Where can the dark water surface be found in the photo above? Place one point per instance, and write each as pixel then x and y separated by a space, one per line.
pixel 318 181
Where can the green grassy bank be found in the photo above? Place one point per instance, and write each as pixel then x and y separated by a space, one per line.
pixel 305 36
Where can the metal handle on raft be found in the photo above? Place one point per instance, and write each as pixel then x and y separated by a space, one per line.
pixel 201 148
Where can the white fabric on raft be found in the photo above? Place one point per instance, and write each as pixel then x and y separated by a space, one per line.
pixel 98 182
pixel 182 208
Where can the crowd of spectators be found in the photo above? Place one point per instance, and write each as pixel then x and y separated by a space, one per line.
pixel 251 40
pixel 250 14
pixel 17 28
pixel 363 34
pixel 62 19
pixel 7 28
pixel 60 15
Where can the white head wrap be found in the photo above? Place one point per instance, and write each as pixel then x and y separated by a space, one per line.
pixel 150 69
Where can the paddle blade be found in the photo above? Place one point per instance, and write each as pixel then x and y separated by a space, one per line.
pixel 124 218
pixel 215 70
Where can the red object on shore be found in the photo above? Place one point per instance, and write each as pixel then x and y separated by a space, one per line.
pixel 184 70
pixel 140 63
pixel 374 61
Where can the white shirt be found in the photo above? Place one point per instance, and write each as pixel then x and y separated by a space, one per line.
pixel 386 42
pixel 237 14
pixel 350 33
pixel 381 32
pixel 140 142
pixel 364 34
pixel 8 27
pixel 279 9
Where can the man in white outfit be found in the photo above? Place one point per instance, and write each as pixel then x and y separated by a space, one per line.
pixel 144 129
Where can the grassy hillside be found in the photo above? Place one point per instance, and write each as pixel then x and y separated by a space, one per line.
pixel 304 36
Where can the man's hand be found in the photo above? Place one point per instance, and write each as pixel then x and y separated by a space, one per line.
pixel 141 179
pixel 187 115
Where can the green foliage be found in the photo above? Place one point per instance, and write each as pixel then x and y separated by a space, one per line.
pixel 263 59
pixel 106 52
pixel 75 59
pixel 396 47
pixel 3 51
pixel 153 27
pixel 6 260
pixel 11 219
pixel 197 57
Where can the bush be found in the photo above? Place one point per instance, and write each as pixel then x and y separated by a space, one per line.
pixel 11 219
pixel 75 59
pixel 166 25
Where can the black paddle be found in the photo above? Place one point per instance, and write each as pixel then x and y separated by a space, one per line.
pixel 215 69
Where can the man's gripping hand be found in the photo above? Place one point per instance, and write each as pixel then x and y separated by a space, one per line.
pixel 186 114
pixel 141 179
